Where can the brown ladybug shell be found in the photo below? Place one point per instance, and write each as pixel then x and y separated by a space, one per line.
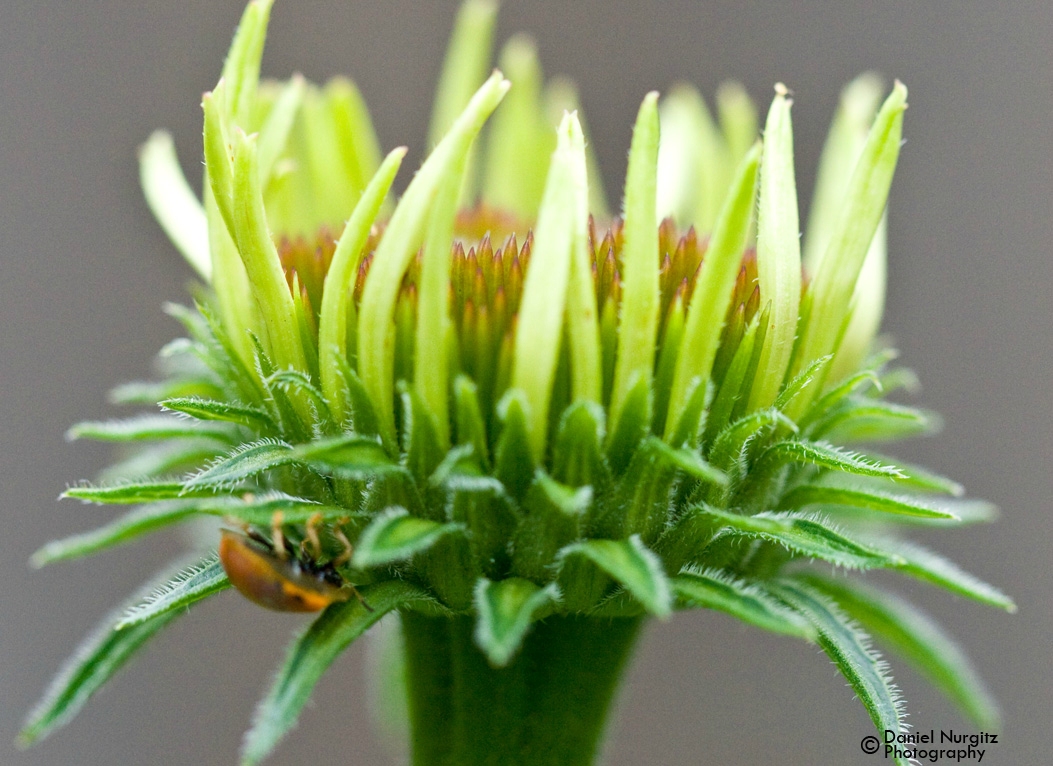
pixel 281 584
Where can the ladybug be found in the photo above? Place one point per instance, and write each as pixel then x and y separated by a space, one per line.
pixel 266 573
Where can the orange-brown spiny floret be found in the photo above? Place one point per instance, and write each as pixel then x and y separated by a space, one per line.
pixel 488 265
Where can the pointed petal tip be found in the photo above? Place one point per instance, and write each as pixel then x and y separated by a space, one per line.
pixel 159 139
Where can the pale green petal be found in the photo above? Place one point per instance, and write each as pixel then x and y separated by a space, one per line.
pixel 847 136
pixel 694 165
pixel 261 260
pixel 561 95
pixel 403 236
pixel 520 140
pixel 339 282
pixel 778 251
pixel 638 325
pixel 826 304
pixel 540 325
pixel 173 202
pixel 709 305
pixel 738 119
pixel 867 308
pixel 466 65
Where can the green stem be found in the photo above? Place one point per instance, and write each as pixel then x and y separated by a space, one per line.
pixel 547 708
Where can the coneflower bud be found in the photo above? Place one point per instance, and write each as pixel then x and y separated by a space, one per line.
pixel 520 423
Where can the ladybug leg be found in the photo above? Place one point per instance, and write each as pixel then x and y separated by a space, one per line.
pixel 343 558
pixel 311 537
pixel 242 526
pixel 345 555
pixel 277 537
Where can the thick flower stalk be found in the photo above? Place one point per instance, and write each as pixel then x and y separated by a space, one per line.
pixel 521 423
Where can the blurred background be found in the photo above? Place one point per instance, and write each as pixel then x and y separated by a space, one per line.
pixel 85 271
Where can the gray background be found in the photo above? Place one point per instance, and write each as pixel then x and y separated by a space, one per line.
pixel 85 271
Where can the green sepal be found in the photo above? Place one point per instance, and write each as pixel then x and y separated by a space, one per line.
pixel 672 335
pixel 513 458
pixel 395 536
pixel 915 636
pixel 685 539
pixel 246 461
pixel 219 353
pixel 161 461
pixel 363 417
pixel 686 460
pixel 577 452
pixel 149 392
pixel 632 426
pixel 311 654
pixel 552 518
pixel 641 503
pixel 460 470
pixel 821 455
pixel 211 409
pixel 259 509
pixel 471 426
pixel 923 564
pixel 862 419
pixel 506 610
pixel 800 382
pixel 844 389
pixel 849 649
pixel 616 604
pixel 292 425
pixel 136 492
pixel 632 565
pixel 804 534
pixel 348 457
pixel 919 478
pixel 866 498
pixel 479 502
pixel 715 589
pixel 196 582
pixel 121 530
pixel 736 382
pixel 451 570
pixel 696 411
pixel 100 655
pixel 730 445
pixel 147 428
pixel 896 379
pixel 297 385
pixel 420 437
